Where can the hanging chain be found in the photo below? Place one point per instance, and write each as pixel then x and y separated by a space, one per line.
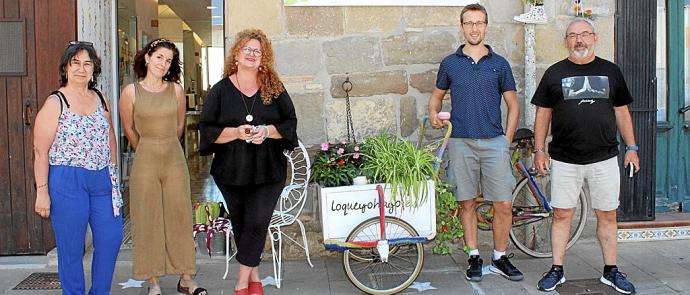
pixel 347 87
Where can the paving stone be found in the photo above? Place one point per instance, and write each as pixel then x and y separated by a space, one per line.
pixel 352 54
pixel 418 48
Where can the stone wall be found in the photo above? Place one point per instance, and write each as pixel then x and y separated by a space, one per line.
pixel 94 25
pixel 391 55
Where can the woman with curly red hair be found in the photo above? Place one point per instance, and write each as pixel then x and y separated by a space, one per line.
pixel 247 122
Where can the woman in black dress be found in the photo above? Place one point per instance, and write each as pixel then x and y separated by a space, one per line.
pixel 247 122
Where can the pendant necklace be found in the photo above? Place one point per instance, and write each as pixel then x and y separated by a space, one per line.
pixel 249 116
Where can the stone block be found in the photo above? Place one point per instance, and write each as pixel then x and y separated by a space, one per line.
pixel 314 21
pixel 352 54
pixel 418 48
pixel 409 120
pixel 606 35
pixel 425 81
pixel 297 57
pixel 264 15
pixel 370 116
pixel 372 19
pixel 430 16
pixel 310 120
pixel 549 45
pixel 502 11
pixel 368 84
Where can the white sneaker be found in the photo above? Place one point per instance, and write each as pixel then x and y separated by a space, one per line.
pixel 535 15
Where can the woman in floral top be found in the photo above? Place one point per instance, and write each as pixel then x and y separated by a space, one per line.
pixel 76 180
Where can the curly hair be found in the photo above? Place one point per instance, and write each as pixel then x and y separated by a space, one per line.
pixel 268 80
pixel 173 73
pixel 70 52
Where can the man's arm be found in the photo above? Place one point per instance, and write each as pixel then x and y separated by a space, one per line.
pixel 625 127
pixel 435 104
pixel 541 129
pixel 510 97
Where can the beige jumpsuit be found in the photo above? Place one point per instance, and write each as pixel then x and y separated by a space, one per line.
pixel 160 202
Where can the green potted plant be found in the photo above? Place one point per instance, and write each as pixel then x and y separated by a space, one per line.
pixel 400 165
pixel 337 164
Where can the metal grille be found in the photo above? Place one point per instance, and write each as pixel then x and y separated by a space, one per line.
pixel 636 56
pixel 40 281
pixel 12 48
pixel 586 287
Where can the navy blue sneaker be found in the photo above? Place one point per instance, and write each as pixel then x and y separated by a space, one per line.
pixel 618 281
pixel 551 280
pixel 503 267
pixel 474 268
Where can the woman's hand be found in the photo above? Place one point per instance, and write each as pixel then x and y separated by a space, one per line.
pixel 42 206
pixel 261 134
pixel 245 132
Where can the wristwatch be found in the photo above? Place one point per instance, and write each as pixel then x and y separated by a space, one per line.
pixel 632 148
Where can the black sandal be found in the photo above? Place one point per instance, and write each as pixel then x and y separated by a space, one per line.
pixel 185 290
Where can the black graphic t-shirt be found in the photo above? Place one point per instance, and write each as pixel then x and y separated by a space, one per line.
pixel 582 97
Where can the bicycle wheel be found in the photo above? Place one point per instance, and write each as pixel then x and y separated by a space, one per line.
pixel 531 230
pixel 364 267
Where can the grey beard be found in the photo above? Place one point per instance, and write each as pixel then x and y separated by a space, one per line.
pixel 581 53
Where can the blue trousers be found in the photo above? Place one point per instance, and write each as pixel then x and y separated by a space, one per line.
pixel 79 197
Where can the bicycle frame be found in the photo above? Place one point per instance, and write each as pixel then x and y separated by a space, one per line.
pixel 485 217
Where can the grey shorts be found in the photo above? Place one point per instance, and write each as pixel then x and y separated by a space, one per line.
pixel 600 181
pixel 476 165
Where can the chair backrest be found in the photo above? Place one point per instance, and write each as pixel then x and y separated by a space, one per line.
pixel 294 195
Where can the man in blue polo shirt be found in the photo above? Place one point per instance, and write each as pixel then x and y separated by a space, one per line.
pixel 478 150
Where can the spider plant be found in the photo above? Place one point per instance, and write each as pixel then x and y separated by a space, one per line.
pixel 402 167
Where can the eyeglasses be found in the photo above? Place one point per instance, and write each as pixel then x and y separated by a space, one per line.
pixel 585 34
pixel 85 43
pixel 479 24
pixel 254 52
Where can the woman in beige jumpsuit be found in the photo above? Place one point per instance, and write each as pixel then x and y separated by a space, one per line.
pixel 152 112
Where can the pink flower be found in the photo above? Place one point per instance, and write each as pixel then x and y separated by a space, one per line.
pixel 324 146
pixel 340 163
pixel 340 151
pixel 356 148
pixel 355 156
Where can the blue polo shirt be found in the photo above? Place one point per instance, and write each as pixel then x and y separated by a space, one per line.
pixel 475 90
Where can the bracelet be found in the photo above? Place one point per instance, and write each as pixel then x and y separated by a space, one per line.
pixel 539 150
pixel 632 148
pixel 39 187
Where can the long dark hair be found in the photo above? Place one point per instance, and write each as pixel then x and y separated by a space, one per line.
pixel 173 73
pixel 73 49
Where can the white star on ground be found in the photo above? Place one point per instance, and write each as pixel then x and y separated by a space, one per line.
pixel 423 286
pixel 269 280
pixel 131 284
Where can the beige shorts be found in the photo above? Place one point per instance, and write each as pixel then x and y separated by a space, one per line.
pixel 480 165
pixel 600 181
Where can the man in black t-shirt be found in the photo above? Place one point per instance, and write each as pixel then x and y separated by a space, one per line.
pixel 585 99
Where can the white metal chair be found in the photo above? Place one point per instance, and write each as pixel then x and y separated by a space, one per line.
pixel 290 204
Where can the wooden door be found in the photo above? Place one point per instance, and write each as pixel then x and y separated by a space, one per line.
pixel 48 26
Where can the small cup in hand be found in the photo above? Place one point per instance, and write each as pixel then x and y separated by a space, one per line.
pixel 443 116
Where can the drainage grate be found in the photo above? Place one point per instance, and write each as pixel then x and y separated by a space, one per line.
pixel 585 287
pixel 40 281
